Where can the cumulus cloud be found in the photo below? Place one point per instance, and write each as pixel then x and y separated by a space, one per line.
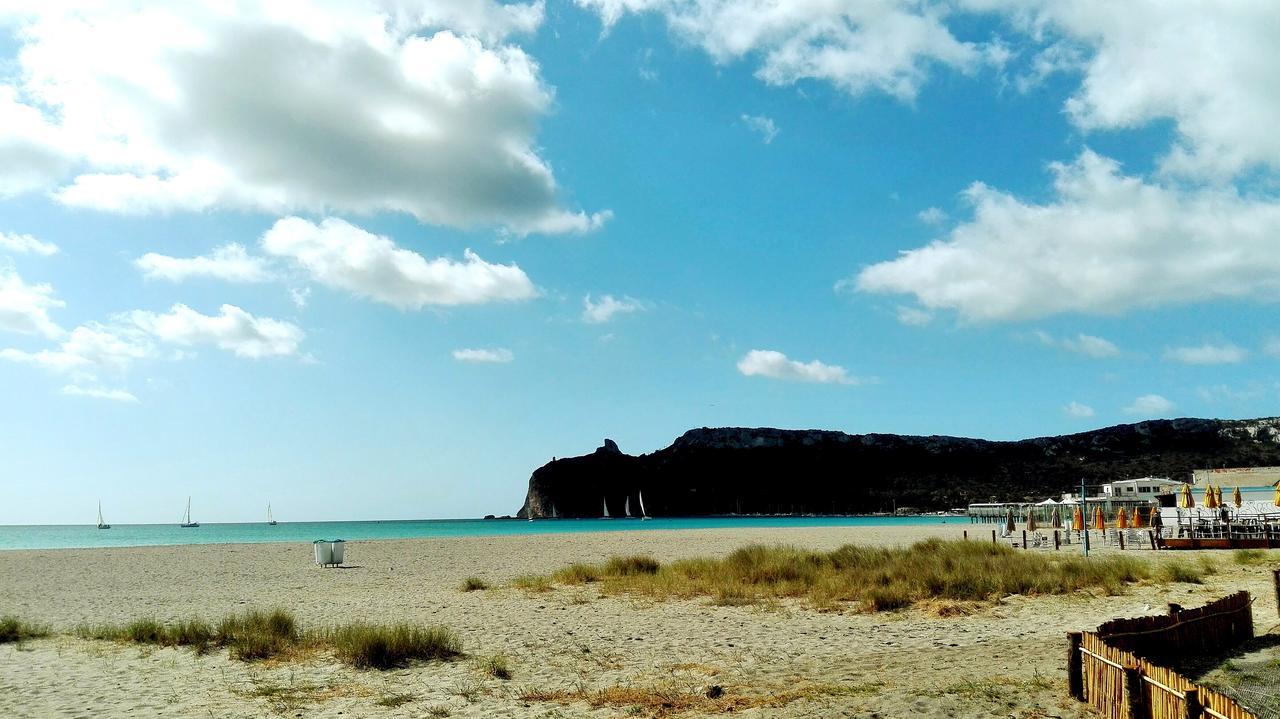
pixel 25 308
pixel 337 254
pixel 232 329
pixel 358 106
pixel 89 350
pixel 1205 66
pixel 1084 344
pixel 1080 411
pixel 231 263
pixel 887 47
pixel 1106 243
pixel 498 355
pixel 26 244
pixel 608 307
pixel 932 216
pixel 775 365
pixel 115 395
pixel 764 126
pixel 1206 354
pixel 1150 405
pixel 913 316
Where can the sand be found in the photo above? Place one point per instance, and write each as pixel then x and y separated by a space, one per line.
pixel 1005 660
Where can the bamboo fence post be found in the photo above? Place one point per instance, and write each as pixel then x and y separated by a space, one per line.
pixel 1151 535
pixel 1133 692
pixel 1024 539
pixel 1191 707
pixel 1120 536
pixel 966 534
pixel 1275 575
pixel 993 536
pixel 1057 543
pixel 1075 666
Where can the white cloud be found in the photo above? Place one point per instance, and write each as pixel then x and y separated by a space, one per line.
pixel 484 355
pixel 360 106
pixel 1205 66
pixel 300 296
pixel 229 262
pixel 775 365
pixel 232 329
pixel 887 47
pixel 1106 243
pixel 764 126
pixel 25 308
pixel 913 316
pixel 1075 409
pixel 26 244
pixel 116 395
pixel 608 307
pixel 1084 344
pixel 338 254
pixel 90 350
pixel 932 216
pixel 1150 405
pixel 1206 354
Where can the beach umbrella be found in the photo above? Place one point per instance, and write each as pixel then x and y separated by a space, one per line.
pixel 1188 501
pixel 1208 497
pixel 1031 520
pixel 1236 499
pixel 1009 525
pixel 1077 517
pixel 1099 522
pixel 1136 520
pixel 1277 499
pixel 1057 518
pixel 1155 520
pixel 1217 497
pixel 1122 519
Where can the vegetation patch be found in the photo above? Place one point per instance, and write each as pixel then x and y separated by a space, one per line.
pixel 496 666
pixel 376 646
pixel 672 698
pixel 13 629
pixel 876 578
pixel 474 584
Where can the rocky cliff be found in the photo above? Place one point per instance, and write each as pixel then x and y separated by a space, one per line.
pixel 775 471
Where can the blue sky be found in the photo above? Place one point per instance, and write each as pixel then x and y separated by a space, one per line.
pixel 374 260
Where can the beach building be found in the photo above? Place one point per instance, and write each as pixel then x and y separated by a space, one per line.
pixel 1257 484
pixel 1141 488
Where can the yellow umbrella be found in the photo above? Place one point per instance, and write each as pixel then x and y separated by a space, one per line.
pixel 1208 496
pixel 1099 522
pixel 1187 500
pixel 1217 497
pixel 1077 518
pixel 1122 519
pixel 1277 502
pixel 1236 499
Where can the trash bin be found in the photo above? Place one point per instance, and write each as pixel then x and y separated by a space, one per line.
pixel 338 549
pixel 324 552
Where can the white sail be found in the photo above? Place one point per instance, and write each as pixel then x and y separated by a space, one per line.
pixel 186 520
pixel 270 519
pixel 626 507
pixel 101 524
pixel 640 496
pixel 553 512
pixel 604 501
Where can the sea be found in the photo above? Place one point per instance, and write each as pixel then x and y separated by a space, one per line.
pixel 147 535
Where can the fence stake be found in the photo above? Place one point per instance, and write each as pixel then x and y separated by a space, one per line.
pixel 1121 538
pixel 1024 539
pixel 993 536
pixel 966 534
pixel 1151 535
pixel 1075 666
pixel 1057 544
pixel 1191 705
pixel 1275 574
pixel 1134 694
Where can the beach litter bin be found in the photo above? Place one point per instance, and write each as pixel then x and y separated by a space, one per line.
pixel 339 549
pixel 324 552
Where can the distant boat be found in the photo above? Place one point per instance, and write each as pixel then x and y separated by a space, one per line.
pixel 186 521
pixel 626 506
pixel 643 516
pixel 604 501
pixel 101 524
pixel 270 520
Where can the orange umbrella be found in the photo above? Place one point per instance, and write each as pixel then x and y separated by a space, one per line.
pixel 1122 519
pixel 1077 518
pixel 1099 522
pixel 1136 520
pixel 1236 499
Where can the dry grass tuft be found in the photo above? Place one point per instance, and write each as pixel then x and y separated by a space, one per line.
pixel 374 646
pixel 13 629
pixel 876 579
pixel 474 584
pixel 673 698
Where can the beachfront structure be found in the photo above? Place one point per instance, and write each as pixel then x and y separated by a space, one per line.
pixel 1141 488
pixel 1257 484
pixel 998 512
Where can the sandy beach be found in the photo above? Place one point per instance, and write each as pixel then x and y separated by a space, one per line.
pixel 1003 660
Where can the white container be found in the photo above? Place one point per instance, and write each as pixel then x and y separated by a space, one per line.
pixel 324 552
pixel 337 550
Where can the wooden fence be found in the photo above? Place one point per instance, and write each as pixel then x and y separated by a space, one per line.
pixel 1112 669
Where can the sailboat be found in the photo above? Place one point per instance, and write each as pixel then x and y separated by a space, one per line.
pixel 626 507
pixel 605 502
pixel 270 520
pixel 643 516
pixel 186 521
pixel 101 524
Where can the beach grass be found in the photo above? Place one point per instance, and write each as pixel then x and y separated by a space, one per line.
pixel 474 584
pixel 377 646
pixel 16 630
pixel 497 666
pixel 877 579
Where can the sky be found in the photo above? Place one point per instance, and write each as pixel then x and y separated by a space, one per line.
pixel 379 260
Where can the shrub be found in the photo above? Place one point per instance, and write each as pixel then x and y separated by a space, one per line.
pixel 631 566
pixel 497 666
pixel 1179 571
pixel 577 573
pixel 474 584
pixel 369 646
pixel 13 629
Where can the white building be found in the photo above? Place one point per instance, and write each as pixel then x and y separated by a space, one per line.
pixel 1141 488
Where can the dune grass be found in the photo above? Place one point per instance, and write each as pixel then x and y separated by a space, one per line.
pixel 497 666
pixel 877 579
pixel 474 584
pixel 375 646
pixel 257 634
pixel 13 629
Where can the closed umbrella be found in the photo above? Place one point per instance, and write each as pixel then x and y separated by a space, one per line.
pixel 1122 519
pixel 1099 522
pixel 1277 499
pixel 1208 496
pixel 1077 517
pixel 1236 499
pixel 1136 520
pixel 1009 526
pixel 1217 497
pixel 1057 518
pixel 1188 501
pixel 1031 519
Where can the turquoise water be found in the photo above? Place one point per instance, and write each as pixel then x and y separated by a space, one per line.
pixel 142 535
